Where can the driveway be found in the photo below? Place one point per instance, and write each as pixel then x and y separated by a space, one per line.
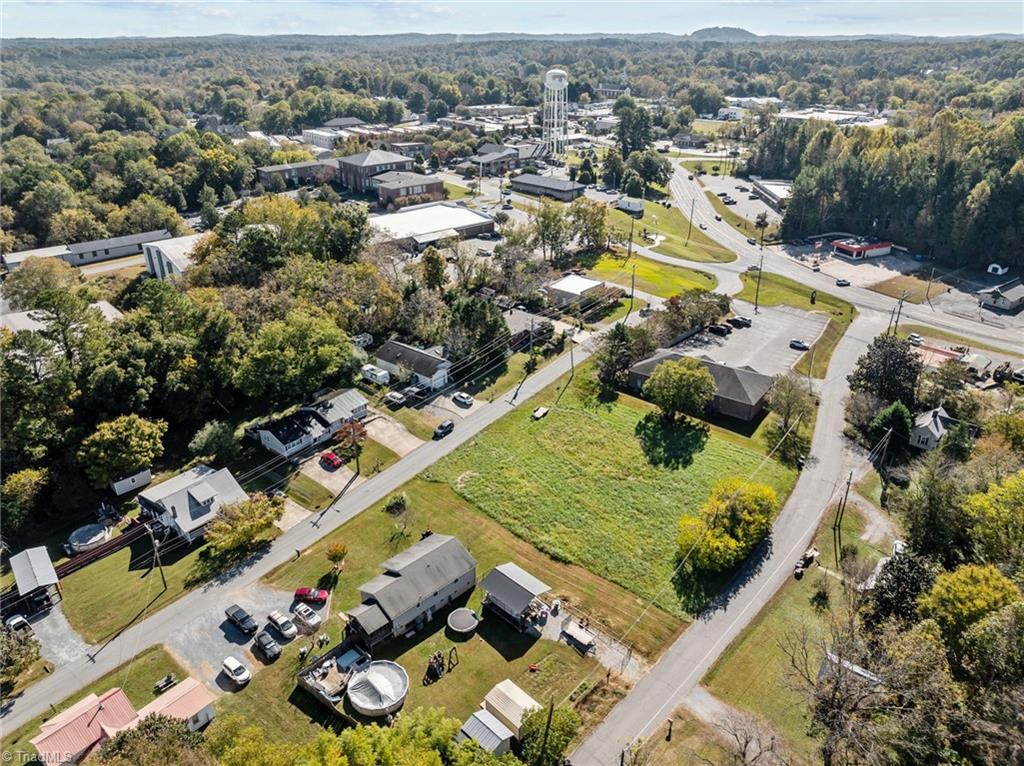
pixel 211 637
pixel 58 641
pixel 443 406
pixel 335 479
pixel 763 346
pixel 392 434
pixel 293 514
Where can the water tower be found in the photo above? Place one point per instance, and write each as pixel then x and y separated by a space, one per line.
pixel 556 122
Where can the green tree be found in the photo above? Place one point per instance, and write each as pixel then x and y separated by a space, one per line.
pixel 293 356
pixel 897 419
pixel 208 207
pixel 22 492
pixel 336 554
pixel 997 529
pixel 589 224
pixel 539 750
pixel 899 585
pixel 434 269
pixel 937 526
pixel 889 369
pixel 961 598
pixel 237 526
pixel 19 652
pixel 227 194
pixel 121 446
pixel 550 228
pixel 156 740
pixel 25 287
pixel 790 400
pixel 342 232
pixel 680 386
pixel 652 167
pixel 613 168
pixel 216 440
pixel 993 648
pixel 735 518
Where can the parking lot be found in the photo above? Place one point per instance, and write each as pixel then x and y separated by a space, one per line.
pixel 764 346
pixel 211 637
pixel 748 208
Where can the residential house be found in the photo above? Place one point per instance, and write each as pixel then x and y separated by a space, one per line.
pixel 35 320
pixel 929 428
pixel 546 186
pixel 313 424
pixel 356 170
pixel 297 173
pixel 1008 296
pixel 740 392
pixel 426 367
pixel 415 584
pixel 396 186
pixel 170 257
pixel 190 500
pixel 574 290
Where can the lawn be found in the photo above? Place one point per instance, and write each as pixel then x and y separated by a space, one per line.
pixel 778 290
pixel 499 380
pixel 651 276
pixel 373 457
pixel 372 537
pixel 681 239
pixel 602 485
pixel 751 673
pixel 693 741
pixel 743 225
pixel 419 423
pixel 620 310
pixel 933 333
pixel 917 290
pixel 136 677
pixel 870 488
pixel 456 192
pixel 259 470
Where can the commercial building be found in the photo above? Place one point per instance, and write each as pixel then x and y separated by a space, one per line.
pixel 94 251
pixel 612 90
pixel 546 186
pixel 740 392
pixel 188 502
pixel 396 186
pixel 34 321
pixel 425 367
pixel 836 116
pixel 415 584
pixel 297 173
pixel 774 192
pixel 312 425
pixel 344 122
pixel 860 248
pixel 417 226
pixel 1008 296
pixel 689 141
pixel 356 170
pixel 573 290
pixel 325 138
pixel 411 149
pixel 731 113
pixel 170 257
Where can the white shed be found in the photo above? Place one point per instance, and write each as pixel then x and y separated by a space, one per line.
pixel 998 269
pixel 131 482
pixel 509 704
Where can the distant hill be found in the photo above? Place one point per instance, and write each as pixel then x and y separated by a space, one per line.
pixel 723 35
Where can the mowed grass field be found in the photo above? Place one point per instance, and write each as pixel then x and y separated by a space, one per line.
pixel 136 677
pixel 581 485
pixel 651 276
pixel 751 673
pixel 674 226
pixel 743 225
pixel 778 290
pixel 916 289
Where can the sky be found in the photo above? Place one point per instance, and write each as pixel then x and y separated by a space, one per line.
pixel 171 18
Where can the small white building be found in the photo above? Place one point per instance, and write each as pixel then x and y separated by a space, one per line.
pixel 630 204
pixel 190 500
pixel 131 482
pixel 325 138
pixel 731 113
pixel 170 257
pixel 509 704
pixel 188 701
pixel 424 366
pixel 998 269
pixel 312 425
pixel 574 289
pixel 929 428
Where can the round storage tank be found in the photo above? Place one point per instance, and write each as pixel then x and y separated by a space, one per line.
pixel 88 537
pixel 378 690
pixel 556 79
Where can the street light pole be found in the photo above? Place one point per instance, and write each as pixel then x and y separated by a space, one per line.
pixel 757 290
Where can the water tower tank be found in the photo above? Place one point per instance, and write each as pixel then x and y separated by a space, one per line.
pixel 556 79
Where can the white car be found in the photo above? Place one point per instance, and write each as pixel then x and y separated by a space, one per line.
pixel 305 614
pixel 236 671
pixel 463 399
pixel 915 339
pixel 394 399
pixel 282 624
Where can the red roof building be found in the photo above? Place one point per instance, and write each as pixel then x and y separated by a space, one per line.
pixel 74 734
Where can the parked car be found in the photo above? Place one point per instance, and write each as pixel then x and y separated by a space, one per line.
pixel 690 177
pixel 394 399
pixel 718 329
pixel 331 460
pixel 751 241
pixel 798 344
pixel 18 625
pixel 752 196
pixel 506 206
pixel 729 201
pixel 282 624
pixel 723 194
pixel 753 267
pixel 485 235
pixel 915 339
pixel 311 595
pixel 842 283
pixel 414 392
pixel 740 321
pixel 305 615
pixel 443 429
pixel 267 645
pixel 703 226
pixel 236 671
pixel 241 619
pixel 463 399
pixel 718 218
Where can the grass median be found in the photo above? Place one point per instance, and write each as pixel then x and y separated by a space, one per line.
pixel 652 277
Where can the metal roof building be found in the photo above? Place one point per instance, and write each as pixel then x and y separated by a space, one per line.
pixel 490 733
pixel 32 570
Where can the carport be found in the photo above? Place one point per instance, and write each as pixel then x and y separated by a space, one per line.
pixel 34 576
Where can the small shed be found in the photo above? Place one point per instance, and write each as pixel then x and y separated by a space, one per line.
pixel 131 481
pixel 490 733
pixel 509 704
pixel 33 570
pixel 511 592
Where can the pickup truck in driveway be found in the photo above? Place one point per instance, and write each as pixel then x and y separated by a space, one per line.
pixel 241 619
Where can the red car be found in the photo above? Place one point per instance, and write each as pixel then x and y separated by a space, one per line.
pixel 311 595
pixel 331 459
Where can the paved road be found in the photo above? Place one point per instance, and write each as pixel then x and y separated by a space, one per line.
pixel 214 596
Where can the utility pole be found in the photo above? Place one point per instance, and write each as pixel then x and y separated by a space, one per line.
pixel 892 314
pixel 837 524
pixel 928 290
pixel 531 336
pixel 632 291
pixel 156 555
pixel 693 201
pixel 757 290
pixel 899 310
pixel 547 729
pixel 632 223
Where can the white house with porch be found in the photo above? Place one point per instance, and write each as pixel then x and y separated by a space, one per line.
pixel 190 501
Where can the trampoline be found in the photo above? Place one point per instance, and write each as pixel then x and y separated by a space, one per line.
pixel 463 621
pixel 378 690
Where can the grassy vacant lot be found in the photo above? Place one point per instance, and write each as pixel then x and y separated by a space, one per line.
pixel 743 225
pixel 751 674
pixel 918 290
pixel 674 226
pixel 778 290
pixel 601 485
pixel 136 677
pixel 693 741
pixel 651 276
pixel 455 191
pixel 373 536
pixel 933 333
